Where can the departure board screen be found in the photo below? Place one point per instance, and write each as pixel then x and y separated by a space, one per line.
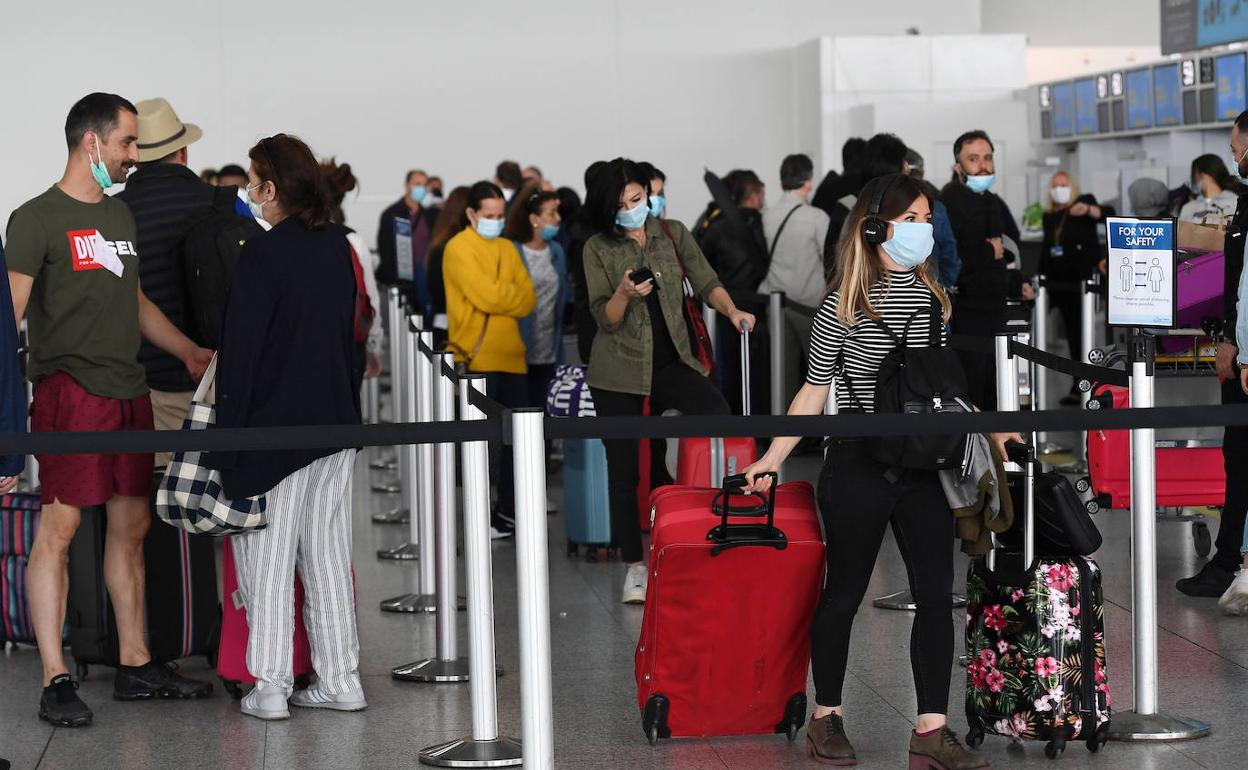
pixel 1229 71
pixel 1139 99
pixel 1063 109
pixel 1167 96
pixel 1085 106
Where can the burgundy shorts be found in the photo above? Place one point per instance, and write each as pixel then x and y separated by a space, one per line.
pixel 62 405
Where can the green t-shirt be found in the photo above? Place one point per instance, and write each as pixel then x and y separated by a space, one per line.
pixel 83 318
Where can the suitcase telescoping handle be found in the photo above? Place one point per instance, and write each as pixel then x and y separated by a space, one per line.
pixel 719 455
pixel 726 535
pixel 1025 456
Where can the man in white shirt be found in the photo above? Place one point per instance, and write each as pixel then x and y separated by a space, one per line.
pixel 796 236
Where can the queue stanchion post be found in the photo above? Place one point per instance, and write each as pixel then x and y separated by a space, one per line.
pixel 406 358
pixel 1145 722
pixel 533 584
pixel 400 391
pixel 775 339
pixel 446 665
pixel 419 464
pixel 390 311
pixel 1040 338
pixel 484 747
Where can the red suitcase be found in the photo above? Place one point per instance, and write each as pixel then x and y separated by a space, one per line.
pixel 1186 476
pixel 232 652
pixel 725 638
pixel 695 456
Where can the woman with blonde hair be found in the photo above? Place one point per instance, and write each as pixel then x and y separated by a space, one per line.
pixel 880 285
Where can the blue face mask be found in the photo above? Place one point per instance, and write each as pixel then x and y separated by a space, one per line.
pixel 418 194
pixel 911 244
pixel 981 183
pixel 98 169
pixel 549 232
pixel 634 218
pixel 657 204
pixel 1194 187
pixel 489 229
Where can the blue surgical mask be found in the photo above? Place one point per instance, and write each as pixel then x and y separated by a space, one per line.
pixel 98 169
pixel 257 209
pixel 549 232
pixel 657 204
pixel 489 229
pixel 418 194
pixel 981 183
pixel 634 218
pixel 911 244
pixel 1194 187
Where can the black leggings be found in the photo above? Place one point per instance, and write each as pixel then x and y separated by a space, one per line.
pixel 675 386
pixel 857 502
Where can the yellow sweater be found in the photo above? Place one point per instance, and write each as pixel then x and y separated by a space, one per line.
pixel 487 279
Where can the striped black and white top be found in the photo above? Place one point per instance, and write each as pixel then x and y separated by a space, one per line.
pixel 853 354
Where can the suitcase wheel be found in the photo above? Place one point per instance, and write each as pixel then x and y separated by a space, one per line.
pixel 1084 485
pixel 1054 748
pixel 81 670
pixel 794 717
pixel 303 681
pixel 1100 739
pixel 1201 538
pixel 595 554
pixel 975 738
pixel 654 719
pixel 232 687
pixel 1092 507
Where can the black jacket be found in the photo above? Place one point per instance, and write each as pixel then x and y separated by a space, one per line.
pixel 287 348
pixel 580 231
pixel 985 282
pixel 1080 247
pixel 1233 265
pixel 388 268
pixel 165 198
pixel 737 251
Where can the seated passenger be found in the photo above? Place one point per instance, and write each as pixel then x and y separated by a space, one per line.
pixel 1214 190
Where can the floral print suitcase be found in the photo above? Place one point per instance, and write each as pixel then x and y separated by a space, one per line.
pixel 1036 643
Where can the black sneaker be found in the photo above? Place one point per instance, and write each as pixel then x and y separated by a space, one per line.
pixel 501 528
pixel 1211 582
pixel 507 518
pixel 153 680
pixel 61 706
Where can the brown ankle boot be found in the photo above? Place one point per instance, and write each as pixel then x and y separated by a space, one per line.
pixel 826 741
pixel 941 750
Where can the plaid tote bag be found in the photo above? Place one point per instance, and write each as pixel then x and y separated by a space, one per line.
pixel 190 495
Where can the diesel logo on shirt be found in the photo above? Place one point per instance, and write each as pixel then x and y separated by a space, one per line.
pixel 83 245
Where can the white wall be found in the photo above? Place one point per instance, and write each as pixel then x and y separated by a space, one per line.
pixel 1076 22
pixel 452 87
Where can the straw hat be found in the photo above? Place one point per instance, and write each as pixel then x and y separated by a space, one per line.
pixel 160 130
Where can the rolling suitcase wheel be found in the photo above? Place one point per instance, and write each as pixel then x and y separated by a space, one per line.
pixel 1054 748
pixel 1201 538
pixel 1083 485
pixel 975 738
pixel 794 717
pixel 1100 739
pixel 1092 507
pixel 654 719
pixel 235 689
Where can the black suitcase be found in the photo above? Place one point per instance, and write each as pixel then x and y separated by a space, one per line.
pixel 1063 525
pixel 1035 636
pixel 183 612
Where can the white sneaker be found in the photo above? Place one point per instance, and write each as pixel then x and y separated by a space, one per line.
pixel 316 698
pixel 635 584
pixel 1235 600
pixel 266 702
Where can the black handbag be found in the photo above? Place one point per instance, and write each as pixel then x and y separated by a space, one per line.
pixel 1063 526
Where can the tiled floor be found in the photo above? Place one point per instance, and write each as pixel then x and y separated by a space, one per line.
pixel 1204 674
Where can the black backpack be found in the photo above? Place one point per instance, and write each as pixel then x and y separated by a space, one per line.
pixel 920 380
pixel 208 254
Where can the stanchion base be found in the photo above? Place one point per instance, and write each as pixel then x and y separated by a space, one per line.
pixel 434 671
pixel 465 752
pixel 405 552
pixel 902 600
pixel 1130 726
pixel 417 603
pixel 387 489
pixel 393 516
pixel 384 465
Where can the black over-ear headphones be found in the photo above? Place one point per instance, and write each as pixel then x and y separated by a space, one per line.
pixel 874 229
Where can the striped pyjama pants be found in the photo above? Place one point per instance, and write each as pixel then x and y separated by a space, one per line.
pixel 309 529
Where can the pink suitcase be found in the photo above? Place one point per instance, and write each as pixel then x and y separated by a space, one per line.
pixel 1200 288
pixel 232 653
pixel 1186 476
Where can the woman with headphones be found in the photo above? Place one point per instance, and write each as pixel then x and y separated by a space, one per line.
pixel 883 278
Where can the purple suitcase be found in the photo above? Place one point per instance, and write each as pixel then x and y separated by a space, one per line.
pixel 1200 290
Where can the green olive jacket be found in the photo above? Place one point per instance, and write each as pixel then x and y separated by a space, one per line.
pixel 623 352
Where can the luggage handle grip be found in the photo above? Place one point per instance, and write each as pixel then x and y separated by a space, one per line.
pixel 726 536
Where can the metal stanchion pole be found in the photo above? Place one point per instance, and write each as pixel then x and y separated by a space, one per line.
pixel 1145 723
pixel 408 475
pixel 775 338
pixel 419 462
pixel 446 666
pixel 1040 338
pixel 485 747
pixel 400 394
pixel 533 583
pixel 392 310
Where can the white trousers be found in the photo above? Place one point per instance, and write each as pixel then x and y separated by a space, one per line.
pixel 310 530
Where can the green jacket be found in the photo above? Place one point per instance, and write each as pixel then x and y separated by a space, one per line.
pixel 623 356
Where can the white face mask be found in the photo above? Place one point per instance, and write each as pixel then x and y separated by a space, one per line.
pixel 1061 194
pixel 257 209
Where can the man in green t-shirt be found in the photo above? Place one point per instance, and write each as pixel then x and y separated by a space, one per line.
pixel 74 273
